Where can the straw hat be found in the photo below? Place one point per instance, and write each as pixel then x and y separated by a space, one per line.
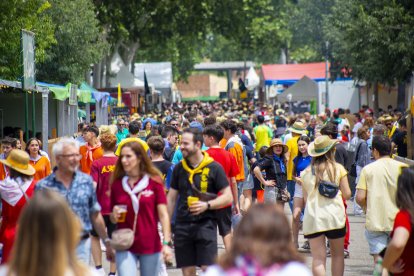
pixel 321 145
pixel 276 142
pixel 18 160
pixel 298 127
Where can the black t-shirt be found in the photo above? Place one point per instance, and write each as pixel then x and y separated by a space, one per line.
pixel 216 180
pixel 341 155
pixel 163 166
pixel 268 165
pixel 400 139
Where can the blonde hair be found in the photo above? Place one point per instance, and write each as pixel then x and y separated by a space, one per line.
pixel 325 163
pixel 47 237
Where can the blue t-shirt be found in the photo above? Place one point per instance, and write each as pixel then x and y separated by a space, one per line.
pixel 301 163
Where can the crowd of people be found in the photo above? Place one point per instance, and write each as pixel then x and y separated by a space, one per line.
pixel 147 186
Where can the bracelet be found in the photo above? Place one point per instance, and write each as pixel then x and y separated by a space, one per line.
pixel 167 243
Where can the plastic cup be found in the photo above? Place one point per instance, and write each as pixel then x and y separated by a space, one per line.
pixel 122 211
pixel 191 200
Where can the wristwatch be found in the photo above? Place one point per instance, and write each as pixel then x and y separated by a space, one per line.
pixel 208 205
pixel 107 240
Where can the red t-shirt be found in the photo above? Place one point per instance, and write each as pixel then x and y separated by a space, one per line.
pixel 403 219
pixel 227 161
pixel 147 239
pixel 101 172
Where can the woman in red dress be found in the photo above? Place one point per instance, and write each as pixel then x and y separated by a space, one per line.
pixel 15 190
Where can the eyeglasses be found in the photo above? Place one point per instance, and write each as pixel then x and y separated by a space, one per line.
pixel 174 124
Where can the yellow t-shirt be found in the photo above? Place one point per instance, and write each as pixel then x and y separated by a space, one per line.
pixel 263 135
pixel 379 179
pixel 131 139
pixel 292 144
pixel 322 213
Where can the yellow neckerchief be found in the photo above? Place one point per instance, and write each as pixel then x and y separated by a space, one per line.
pixel 391 133
pixel 200 169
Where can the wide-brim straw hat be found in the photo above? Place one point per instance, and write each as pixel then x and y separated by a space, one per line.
pixel 18 160
pixel 276 142
pixel 298 127
pixel 321 145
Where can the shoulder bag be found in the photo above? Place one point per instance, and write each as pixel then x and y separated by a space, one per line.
pixel 352 171
pixel 122 239
pixel 326 188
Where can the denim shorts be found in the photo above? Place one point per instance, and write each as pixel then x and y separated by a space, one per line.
pixel 377 241
pixel 270 194
pixel 247 184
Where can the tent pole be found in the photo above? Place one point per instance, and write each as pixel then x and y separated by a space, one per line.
pixel 26 115
pixel 34 114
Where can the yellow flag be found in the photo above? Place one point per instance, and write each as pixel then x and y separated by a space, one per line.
pixel 119 95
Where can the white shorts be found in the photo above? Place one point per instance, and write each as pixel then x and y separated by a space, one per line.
pixel 298 191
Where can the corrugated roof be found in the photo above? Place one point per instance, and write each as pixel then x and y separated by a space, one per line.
pixel 282 73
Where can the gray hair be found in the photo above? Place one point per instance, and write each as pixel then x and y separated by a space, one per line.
pixel 61 143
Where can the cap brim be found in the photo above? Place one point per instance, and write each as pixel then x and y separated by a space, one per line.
pixel 29 171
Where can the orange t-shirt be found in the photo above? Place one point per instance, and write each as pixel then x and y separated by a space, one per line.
pixel 42 167
pixel 237 152
pixel 86 162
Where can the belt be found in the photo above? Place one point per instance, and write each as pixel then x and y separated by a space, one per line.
pixel 84 236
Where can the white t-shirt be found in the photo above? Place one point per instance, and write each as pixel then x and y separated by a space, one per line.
pixel 290 269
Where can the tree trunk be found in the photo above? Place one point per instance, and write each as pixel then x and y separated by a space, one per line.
pixel 401 96
pixel 376 103
pixel 97 79
pixel 108 70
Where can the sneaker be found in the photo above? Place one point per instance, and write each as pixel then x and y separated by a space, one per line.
pixel 306 246
pixel 346 253
pixel 100 271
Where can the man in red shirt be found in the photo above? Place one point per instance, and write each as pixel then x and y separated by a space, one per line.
pixel 212 136
pixel 101 172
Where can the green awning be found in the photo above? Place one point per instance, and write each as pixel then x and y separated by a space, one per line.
pixel 202 99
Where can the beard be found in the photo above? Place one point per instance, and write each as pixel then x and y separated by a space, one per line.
pixel 188 152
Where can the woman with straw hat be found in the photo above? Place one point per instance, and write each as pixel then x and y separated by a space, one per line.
pixel 15 190
pixel 325 212
pixel 274 165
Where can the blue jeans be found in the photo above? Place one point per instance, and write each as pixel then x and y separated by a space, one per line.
pixel 83 251
pixel 126 263
pixel 291 190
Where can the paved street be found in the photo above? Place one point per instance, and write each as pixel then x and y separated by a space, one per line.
pixel 359 263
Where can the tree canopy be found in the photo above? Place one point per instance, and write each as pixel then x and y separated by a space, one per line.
pixel 369 39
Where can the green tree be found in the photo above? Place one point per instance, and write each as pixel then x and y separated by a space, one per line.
pixel 16 15
pixel 374 39
pixel 306 25
pixel 80 42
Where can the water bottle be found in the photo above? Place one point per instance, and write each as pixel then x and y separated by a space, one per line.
pixel 378 268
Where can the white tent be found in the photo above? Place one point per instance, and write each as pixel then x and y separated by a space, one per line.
pixel 125 78
pixel 303 90
pixel 252 79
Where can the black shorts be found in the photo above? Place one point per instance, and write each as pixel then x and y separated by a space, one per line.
pixel 110 227
pixel 224 220
pixel 330 234
pixel 195 243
